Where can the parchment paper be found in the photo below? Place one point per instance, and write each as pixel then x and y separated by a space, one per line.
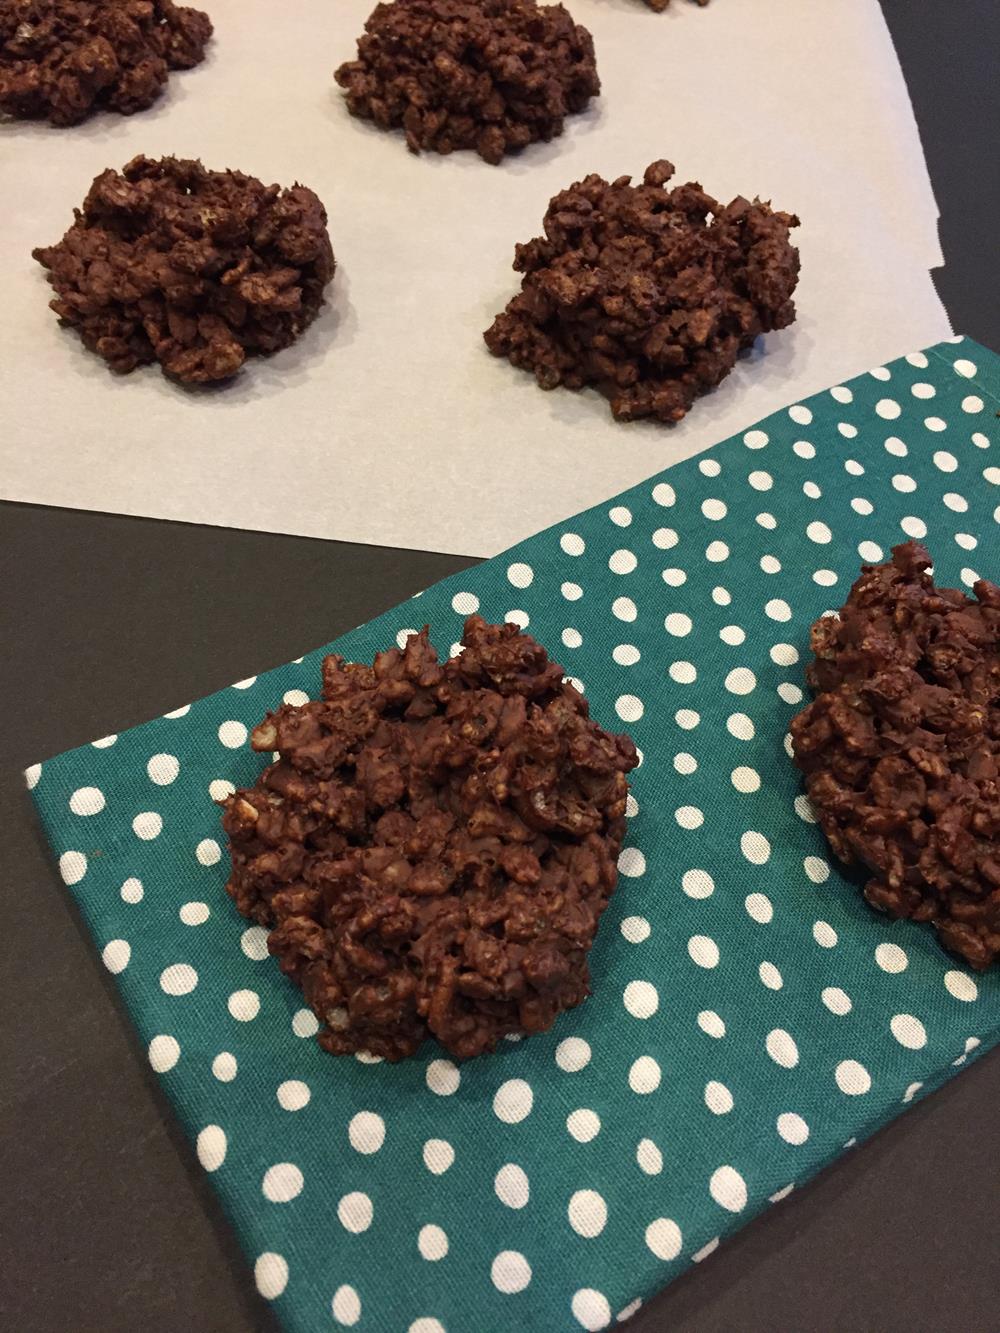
pixel 389 422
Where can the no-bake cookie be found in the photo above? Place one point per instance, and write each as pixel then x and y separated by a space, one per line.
pixel 901 747
pixel 168 261
pixel 434 846
pixel 648 294
pixel 492 75
pixel 61 60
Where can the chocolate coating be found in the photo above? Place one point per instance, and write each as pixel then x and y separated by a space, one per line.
pixel 901 747
pixel 434 847
pixel 62 60
pixel 196 269
pixel 632 289
pixel 492 75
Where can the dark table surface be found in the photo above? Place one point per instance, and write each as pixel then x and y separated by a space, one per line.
pixel 106 1220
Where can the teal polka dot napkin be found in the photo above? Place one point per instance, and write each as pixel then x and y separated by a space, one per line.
pixel 751 1017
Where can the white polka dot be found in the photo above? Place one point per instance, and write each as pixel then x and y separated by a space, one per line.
pixel 817 869
pixel 891 958
pixel 848 430
pixel 644 1075
pixel 917 359
pixel 826 578
pixel 244 1005
pixel 366 1132
pixel 782 1049
pixel 903 483
pixel 721 597
pixel 770 976
pixel 635 929
pixel 718 1098
pixel 923 390
pixel 31 775
pixel 966 368
pixel 271 1275
pixel 442 1077
pixel 913 527
pixel 811 490
pixel 224 1066
pixel 819 532
pixel 912 1091
pixel 211 1147
pixel 709 467
pixel 973 403
pixel 714 509
pixel 629 707
pixel 755 847
pixel 147 825
pixel 665 539
pixel 683 673
pixel 755 439
pixel 804 449
pixel 591 1309
pixel 966 541
pixel 178 979
pixel 576 683
pixel 520 575
pixel 511 1186
pixel 438 1156
pixel 734 635
pixel 746 780
pixel 674 578
pixel 626 654
pixel 852 1078
pixel 969 577
pixel 232 735
pixel 219 789
pixel 792 1128
pixel 432 1242
pixel 305 1023
pixel 572 1054
pixel 840 394
pixel 728 1188
pixel 244 684
pixel 622 562
pixel 105 741
pixel 778 609
pixel 426 1326
pixel 518 618
pixel 572 543
pixel 513 1101
pixel 624 608
pixel 740 726
pixel 163 769
pixel 862 506
pixel 572 638
pixel 641 999
pixel 908 1031
pixel 355 1212
pixel 836 1000
pixel 896 447
pixel 804 810
pixel 253 942
pixel 194 913
pixel 761 481
pixel 648 1155
pixel 703 951
pixel 759 908
pixel 870 552
pixel 208 852
pixel 961 986
pixel 663 494
pixel 346 1306
pixel 679 625
pixel 711 1024
pixel 697 883
pixel 583 1124
pixel 980 440
pixel 664 1238
pixel 825 935
pixel 687 718
pixel 784 654
pixel 164 1052
pixel 945 461
pixel 510 1272
pixel 282 1182
pixel 588 1213
pixel 888 409
pixel 689 817
pixel 87 801
pixel 935 423
pixel 571 591
pixel 741 680
pixel 800 415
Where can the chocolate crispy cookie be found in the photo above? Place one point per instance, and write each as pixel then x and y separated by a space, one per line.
pixel 61 60
pixel 493 75
pixel 434 847
pixel 633 290
pixel 901 747
pixel 196 269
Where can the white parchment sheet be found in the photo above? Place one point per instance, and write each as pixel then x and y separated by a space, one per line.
pixel 389 422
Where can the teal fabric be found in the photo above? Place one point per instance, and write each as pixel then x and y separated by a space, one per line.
pixel 751 1017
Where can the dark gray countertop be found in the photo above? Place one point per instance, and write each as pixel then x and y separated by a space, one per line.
pixel 106 1221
